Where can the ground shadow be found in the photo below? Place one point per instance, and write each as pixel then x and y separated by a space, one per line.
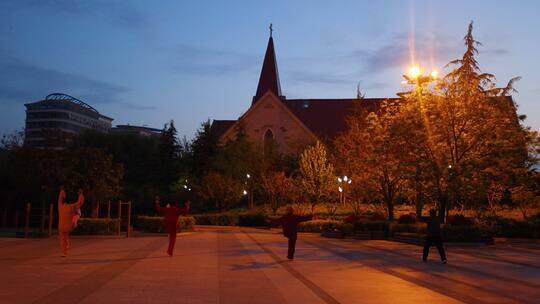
pixel 252 265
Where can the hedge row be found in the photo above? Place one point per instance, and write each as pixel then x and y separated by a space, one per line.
pixel 511 228
pixel 93 226
pixel 231 219
pixel 319 225
pixel 154 224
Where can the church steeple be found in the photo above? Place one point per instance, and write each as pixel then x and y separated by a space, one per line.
pixel 269 79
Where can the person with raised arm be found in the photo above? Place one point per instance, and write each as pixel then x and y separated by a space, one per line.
pixel 66 214
pixel 434 235
pixel 171 214
pixel 289 221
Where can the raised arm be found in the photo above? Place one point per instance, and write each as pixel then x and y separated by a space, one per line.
pixel 80 199
pixel 303 218
pixel 185 210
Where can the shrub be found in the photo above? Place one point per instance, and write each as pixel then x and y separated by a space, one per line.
pixel 251 219
pixel 373 226
pixel 459 220
pixel 516 229
pixel 223 219
pixel 411 228
pixel 351 219
pixel 462 233
pixel 154 224
pixel 407 218
pixel 378 217
pixel 96 226
pixel 319 225
pixel 347 228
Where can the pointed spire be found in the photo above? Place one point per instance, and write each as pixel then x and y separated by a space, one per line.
pixel 269 79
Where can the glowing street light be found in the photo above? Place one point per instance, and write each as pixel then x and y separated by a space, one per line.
pixel 414 76
pixel 414 71
pixel 244 192
pixel 343 181
pixel 249 190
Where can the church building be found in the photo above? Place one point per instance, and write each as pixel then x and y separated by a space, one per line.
pixel 292 124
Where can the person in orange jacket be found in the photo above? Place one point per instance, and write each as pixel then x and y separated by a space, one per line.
pixel 290 222
pixel 171 214
pixel 66 214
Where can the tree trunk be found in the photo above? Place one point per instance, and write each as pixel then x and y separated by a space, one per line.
pixel 419 203
pixel 390 209
pixel 443 206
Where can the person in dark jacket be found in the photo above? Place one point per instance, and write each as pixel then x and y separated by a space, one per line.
pixel 290 222
pixel 171 214
pixel 434 235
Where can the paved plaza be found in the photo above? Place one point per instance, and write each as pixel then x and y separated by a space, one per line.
pixel 244 265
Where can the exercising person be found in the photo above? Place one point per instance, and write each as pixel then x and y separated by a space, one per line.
pixel 66 218
pixel 434 235
pixel 171 214
pixel 290 222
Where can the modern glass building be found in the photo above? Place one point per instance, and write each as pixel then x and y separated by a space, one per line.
pixel 53 121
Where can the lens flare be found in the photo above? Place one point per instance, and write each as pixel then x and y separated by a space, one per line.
pixel 414 71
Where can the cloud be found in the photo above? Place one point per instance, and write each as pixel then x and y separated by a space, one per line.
pixel 317 77
pixel 191 60
pixel 137 107
pixel 375 85
pixel 396 52
pixel 115 12
pixel 21 81
pixel 495 51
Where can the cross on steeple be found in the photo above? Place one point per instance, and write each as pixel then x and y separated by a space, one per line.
pixel 269 79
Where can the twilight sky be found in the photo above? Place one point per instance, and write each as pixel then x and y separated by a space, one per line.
pixel 146 62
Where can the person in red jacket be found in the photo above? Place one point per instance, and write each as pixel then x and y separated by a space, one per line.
pixel 171 214
pixel 290 222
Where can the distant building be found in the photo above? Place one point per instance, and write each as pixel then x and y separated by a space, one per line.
pixel 53 121
pixel 138 130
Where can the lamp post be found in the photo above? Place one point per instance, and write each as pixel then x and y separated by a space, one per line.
pixel 415 77
pixel 248 191
pixel 343 182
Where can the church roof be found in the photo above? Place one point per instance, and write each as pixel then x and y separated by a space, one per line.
pixel 219 127
pixel 269 79
pixel 326 118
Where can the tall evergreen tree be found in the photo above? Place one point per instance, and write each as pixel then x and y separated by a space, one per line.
pixel 169 156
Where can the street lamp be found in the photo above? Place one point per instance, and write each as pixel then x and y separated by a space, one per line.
pixel 249 190
pixel 416 77
pixel 343 182
pixel 414 71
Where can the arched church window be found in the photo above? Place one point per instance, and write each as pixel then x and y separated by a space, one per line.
pixel 268 135
pixel 268 142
